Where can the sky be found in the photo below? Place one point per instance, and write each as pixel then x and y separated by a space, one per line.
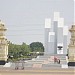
pixel 25 19
pixel 74 11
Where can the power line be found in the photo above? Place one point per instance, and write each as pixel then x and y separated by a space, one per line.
pixel 20 25
pixel 24 29
pixel 23 34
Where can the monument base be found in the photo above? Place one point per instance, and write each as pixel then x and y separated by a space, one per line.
pixel 2 62
pixel 71 63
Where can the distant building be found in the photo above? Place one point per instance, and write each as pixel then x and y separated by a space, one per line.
pixel 57 34
pixel 3 44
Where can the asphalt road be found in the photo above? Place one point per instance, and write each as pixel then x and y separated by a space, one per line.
pixel 69 71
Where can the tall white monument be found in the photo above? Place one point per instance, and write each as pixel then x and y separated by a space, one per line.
pixel 57 34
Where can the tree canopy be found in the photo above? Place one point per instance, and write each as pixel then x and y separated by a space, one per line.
pixel 23 51
pixel 37 47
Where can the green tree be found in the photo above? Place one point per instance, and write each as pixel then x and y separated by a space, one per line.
pixel 18 51
pixel 37 47
pixel 25 49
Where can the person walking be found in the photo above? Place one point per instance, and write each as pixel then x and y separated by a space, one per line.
pixel 58 61
pixel 55 59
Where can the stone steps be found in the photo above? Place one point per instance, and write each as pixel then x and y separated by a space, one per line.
pixel 46 61
pixel 42 62
pixel 50 65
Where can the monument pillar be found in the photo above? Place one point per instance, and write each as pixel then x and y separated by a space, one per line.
pixel 71 49
pixel 47 30
pixel 3 44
